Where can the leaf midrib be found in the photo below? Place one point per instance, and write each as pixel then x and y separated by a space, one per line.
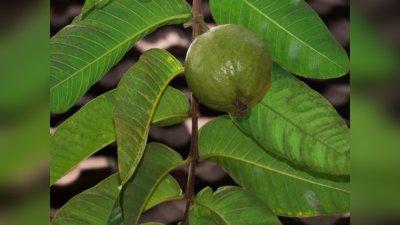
pixel 183 16
pixel 273 21
pixel 268 168
pixel 302 130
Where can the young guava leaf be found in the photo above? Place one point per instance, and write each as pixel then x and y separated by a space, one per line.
pixel 295 122
pixel 82 52
pixel 138 94
pixel 289 190
pixel 230 205
pixel 93 127
pixel 295 35
pixel 151 179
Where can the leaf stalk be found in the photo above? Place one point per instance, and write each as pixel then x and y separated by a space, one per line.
pixel 203 24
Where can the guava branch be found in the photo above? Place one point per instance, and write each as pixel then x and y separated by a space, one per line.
pixel 195 114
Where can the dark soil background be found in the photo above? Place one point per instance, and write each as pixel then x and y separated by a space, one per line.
pixel 176 39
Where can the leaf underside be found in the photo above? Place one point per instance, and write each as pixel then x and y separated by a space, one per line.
pixel 295 122
pixel 93 127
pixel 165 190
pixel 91 206
pixel 152 173
pixel 82 52
pixel 295 35
pixel 138 94
pixel 288 189
pixel 230 205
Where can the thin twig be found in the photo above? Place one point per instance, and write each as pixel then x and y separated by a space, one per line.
pixel 194 113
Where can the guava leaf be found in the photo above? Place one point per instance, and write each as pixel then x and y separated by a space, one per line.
pixel 94 206
pixel 93 128
pixel 151 179
pixel 230 205
pixel 91 206
pixel 289 190
pixel 81 135
pixel 167 190
pixel 172 108
pixel 89 4
pixel 138 94
pixel 295 122
pixel 82 52
pixel 295 35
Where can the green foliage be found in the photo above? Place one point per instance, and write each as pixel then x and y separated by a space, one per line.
pixel 94 205
pixel 93 127
pixel 230 205
pixel 288 189
pixel 290 155
pixel 296 37
pixel 152 173
pixel 82 52
pixel 83 134
pixel 172 108
pixel 138 94
pixel 297 123
pixel 91 206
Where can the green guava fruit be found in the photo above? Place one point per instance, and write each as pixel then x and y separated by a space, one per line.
pixel 229 68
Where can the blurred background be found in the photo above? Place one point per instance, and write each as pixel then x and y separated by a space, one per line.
pixel 24 108
pixel 176 39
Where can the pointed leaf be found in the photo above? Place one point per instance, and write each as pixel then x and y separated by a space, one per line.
pixel 89 4
pixel 138 94
pixel 167 190
pixel 81 53
pixel 297 123
pixel 152 173
pixel 230 205
pixel 296 37
pixel 93 127
pixel 91 206
pixel 94 205
pixel 83 134
pixel 173 108
pixel 289 190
